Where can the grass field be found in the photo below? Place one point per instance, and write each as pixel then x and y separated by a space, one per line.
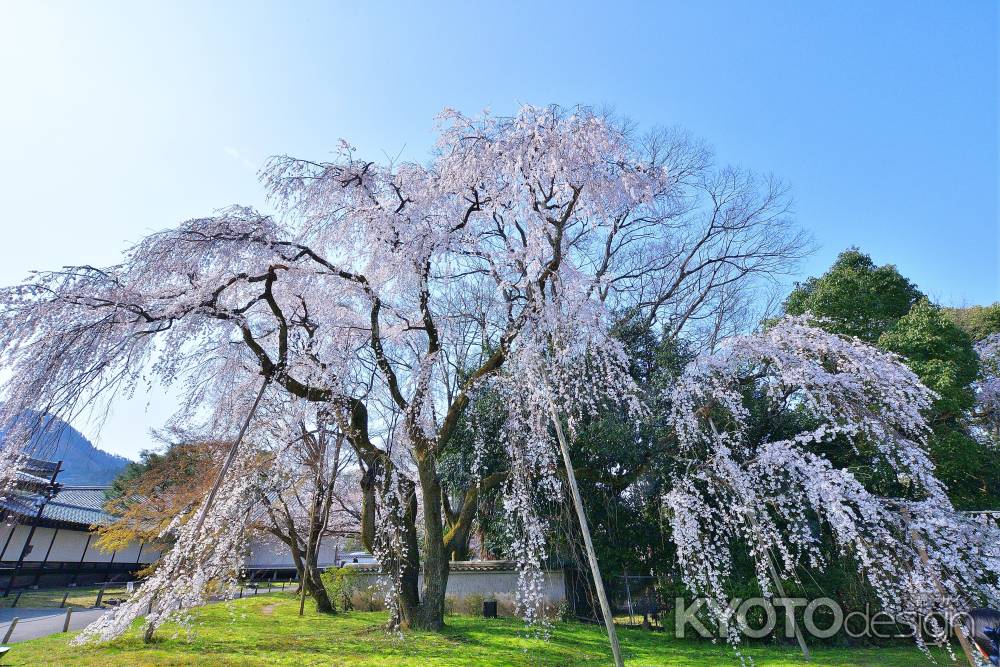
pixel 266 630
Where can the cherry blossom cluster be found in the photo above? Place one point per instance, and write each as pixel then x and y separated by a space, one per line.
pixel 205 562
pixel 988 387
pixel 564 366
pixel 742 488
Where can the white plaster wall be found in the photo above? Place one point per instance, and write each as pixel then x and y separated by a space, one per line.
pixel 271 552
pixel 40 541
pixel 502 584
pixel 16 542
pixel 150 553
pixel 95 555
pixel 4 532
pixel 128 554
pixel 68 546
pixel 463 584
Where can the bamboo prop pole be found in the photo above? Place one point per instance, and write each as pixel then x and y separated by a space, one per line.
pixel 230 457
pixel 781 591
pixel 10 629
pixel 609 621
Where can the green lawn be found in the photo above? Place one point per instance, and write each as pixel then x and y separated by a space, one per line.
pixel 266 630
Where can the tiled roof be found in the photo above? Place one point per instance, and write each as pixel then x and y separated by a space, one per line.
pixel 27 479
pixel 79 505
pixel 39 467
pixel 76 506
pixel 454 566
pixel 20 503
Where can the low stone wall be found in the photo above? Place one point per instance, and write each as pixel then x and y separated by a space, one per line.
pixel 469 583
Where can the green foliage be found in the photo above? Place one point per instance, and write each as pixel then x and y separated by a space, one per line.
pixel 472 604
pixel 977 321
pixel 622 466
pixel 341 583
pixel 939 352
pixel 457 469
pixel 856 296
pixel 968 467
pixel 267 630
pixel 147 459
pixel 877 304
pixel 942 356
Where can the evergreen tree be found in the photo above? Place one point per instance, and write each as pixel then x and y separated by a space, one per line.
pixel 879 305
pixel 857 297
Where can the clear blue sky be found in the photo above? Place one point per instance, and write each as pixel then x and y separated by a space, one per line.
pixel 121 118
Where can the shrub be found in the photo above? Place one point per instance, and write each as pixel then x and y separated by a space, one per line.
pixel 341 584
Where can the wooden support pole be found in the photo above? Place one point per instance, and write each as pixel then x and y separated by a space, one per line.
pixel 69 613
pixel 230 457
pixel 956 626
pixel 595 570
pixel 10 629
pixel 147 634
pixel 100 594
pixel 781 591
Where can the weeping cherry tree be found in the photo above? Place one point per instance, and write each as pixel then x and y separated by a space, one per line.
pixel 777 497
pixel 389 294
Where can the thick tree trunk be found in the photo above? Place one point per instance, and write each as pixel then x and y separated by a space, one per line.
pixel 316 589
pixel 409 594
pixel 431 613
pixel 420 608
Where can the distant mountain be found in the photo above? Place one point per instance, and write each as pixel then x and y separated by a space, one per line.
pixel 83 463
